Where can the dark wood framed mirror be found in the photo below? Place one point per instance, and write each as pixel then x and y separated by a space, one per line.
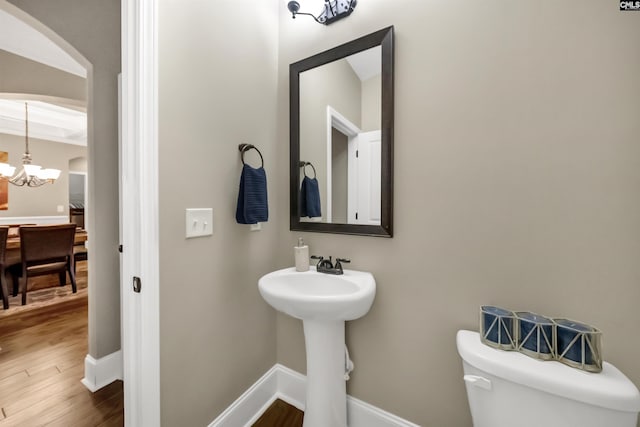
pixel 341 138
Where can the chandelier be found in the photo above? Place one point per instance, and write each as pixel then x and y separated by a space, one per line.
pixel 29 175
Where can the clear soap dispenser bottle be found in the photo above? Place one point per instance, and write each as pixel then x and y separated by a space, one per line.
pixel 301 253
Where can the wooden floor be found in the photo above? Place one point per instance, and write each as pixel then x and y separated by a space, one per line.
pixel 41 365
pixel 280 414
pixel 44 291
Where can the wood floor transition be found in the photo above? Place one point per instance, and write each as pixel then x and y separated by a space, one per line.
pixel 42 363
pixel 43 345
pixel 280 414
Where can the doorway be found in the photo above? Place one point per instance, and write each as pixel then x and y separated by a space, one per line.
pixel 78 186
pixel 104 297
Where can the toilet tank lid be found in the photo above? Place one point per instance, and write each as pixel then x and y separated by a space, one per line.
pixel 609 389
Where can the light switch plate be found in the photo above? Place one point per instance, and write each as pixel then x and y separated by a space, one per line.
pixel 199 222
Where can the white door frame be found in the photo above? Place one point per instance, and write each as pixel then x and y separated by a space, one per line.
pixel 139 182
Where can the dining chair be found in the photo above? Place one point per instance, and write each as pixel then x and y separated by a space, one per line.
pixel 80 253
pixel 45 249
pixel 4 233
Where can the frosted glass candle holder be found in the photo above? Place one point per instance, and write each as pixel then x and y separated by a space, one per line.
pixel 497 327
pixel 578 345
pixel 536 336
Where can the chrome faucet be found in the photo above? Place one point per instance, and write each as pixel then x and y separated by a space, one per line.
pixel 326 265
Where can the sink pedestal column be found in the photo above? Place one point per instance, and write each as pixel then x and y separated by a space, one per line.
pixel 326 402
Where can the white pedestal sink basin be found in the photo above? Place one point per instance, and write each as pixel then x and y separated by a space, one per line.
pixel 323 302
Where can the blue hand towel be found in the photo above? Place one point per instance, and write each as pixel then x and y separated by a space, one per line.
pixel 310 198
pixel 252 198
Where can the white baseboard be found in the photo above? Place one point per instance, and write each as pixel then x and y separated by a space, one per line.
pixel 283 383
pixel 101 372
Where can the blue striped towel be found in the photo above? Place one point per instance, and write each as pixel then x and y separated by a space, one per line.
pixel 310 198
pixel 252 198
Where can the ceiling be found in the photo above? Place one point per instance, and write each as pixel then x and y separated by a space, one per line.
pixel 47 120
pixel 367 63
pixel 21 39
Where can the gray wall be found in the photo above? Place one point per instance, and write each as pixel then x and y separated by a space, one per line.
pixel 517 169
pixel 217 89
pixel 40 201
pixel 93 28
pixel 21 75
pixel 78 164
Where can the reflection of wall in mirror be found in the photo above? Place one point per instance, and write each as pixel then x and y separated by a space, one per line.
pixel 339 184
pixel 334 84
pixel 352 87
pixel 371 103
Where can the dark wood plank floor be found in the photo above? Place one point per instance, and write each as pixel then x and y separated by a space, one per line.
pixel 41 365
pixel 280 414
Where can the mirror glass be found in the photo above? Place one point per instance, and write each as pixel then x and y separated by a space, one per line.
pixel 341 138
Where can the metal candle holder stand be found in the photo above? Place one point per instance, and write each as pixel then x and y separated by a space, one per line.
pixel 573 343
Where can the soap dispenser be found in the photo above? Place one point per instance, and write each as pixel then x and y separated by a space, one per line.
pixel 302 256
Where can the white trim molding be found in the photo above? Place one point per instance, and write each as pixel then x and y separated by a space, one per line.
pixel 140 213
pixel 283 383
pixel 101 372
pixel 7 220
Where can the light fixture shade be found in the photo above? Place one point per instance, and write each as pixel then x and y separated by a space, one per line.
pixel 6 169
pixel 41 174
pixel 29 175
pixel 32 170
pixel 49 174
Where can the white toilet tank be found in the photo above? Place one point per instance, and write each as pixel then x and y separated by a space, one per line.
pixel 509 389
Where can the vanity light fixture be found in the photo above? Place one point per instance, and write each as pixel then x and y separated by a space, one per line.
pixel 332 12
pixel 29 175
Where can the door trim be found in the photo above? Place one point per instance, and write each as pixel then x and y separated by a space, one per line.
pixel 140 216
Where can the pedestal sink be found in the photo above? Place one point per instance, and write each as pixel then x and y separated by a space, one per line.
pixel 323 302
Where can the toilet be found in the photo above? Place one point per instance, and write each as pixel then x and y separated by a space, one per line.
pixel 509 389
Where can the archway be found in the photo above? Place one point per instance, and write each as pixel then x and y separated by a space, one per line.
pixel 93 381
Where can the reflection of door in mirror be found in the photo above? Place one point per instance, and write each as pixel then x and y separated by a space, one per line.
pixel 354 194
pixel 340 108
pixel 364 188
